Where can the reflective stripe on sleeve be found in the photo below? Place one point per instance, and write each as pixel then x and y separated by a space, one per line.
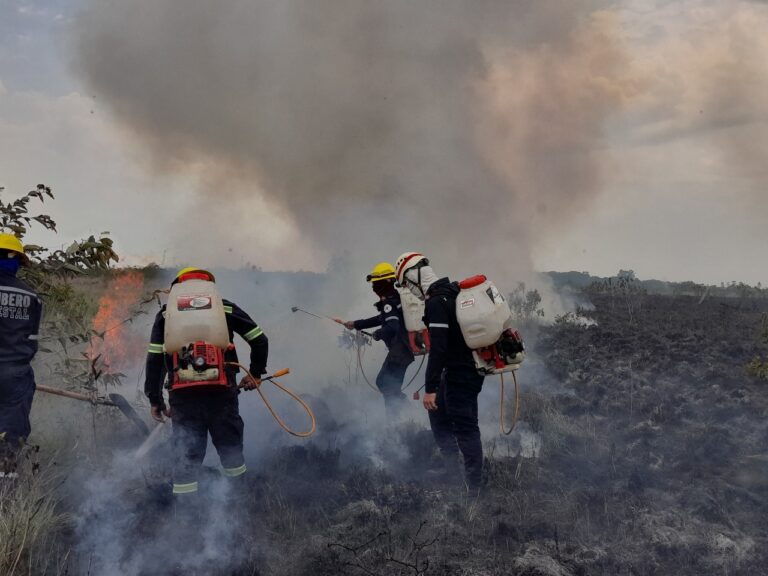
pixel 388 318
pixel 253 334
pixel 188 488
pixel 156 348
pixel 234 472
pixel 228 309
pixel 438 325
pixel 34 337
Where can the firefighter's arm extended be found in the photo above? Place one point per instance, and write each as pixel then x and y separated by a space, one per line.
pixel 243 325
pixel 155 371
pixel 438 320
pixel 366 323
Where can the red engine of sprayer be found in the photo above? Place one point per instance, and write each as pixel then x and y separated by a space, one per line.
pixel 199 364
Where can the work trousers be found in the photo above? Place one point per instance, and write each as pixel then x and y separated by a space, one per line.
pixel 389 382
pixel 195 413
pixel 17 388
pixel 454 424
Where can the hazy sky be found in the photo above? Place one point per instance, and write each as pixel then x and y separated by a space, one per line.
pixel 677 143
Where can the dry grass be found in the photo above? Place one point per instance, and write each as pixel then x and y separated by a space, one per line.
pixel 29 519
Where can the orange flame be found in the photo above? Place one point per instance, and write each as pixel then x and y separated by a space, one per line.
pixel 119 346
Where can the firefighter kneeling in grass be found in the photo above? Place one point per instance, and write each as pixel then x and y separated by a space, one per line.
pixel 191 344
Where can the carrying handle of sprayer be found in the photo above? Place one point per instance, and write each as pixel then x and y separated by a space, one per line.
pixel 290 393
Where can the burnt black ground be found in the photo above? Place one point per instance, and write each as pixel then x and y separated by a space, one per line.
pixel 653 461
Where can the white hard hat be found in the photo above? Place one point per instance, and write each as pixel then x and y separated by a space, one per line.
pixel 405 262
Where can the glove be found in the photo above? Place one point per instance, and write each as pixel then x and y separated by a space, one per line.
pixel 377 335
pixel 248 383
pixel 158 411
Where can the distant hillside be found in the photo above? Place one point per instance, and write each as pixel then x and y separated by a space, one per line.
pixel 564 281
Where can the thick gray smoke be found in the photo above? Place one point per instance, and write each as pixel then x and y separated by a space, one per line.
pixel 439 125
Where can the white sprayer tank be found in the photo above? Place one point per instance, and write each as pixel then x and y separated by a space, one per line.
pixel 195 312
pixel 413 311
pixel 482 312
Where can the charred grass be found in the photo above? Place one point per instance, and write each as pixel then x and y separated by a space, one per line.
pixel 652 461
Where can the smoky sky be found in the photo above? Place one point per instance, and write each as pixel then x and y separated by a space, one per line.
pixel 435 125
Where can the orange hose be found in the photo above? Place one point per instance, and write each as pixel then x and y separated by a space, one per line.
pixel 293 395
pixel 501 405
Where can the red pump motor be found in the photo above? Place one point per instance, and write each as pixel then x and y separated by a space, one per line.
pixel 199 364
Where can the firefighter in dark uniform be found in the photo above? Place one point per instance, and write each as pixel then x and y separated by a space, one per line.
pixel 452 382
pixel 393 333
pixel 20 312
pixel 201 410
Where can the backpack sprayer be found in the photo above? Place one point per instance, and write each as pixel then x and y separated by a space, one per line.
pixel 197 336
pixel 413 316
pixel 485 321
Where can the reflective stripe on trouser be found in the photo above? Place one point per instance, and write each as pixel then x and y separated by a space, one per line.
pixel 234 472
pixel 188 488
pixel 197 413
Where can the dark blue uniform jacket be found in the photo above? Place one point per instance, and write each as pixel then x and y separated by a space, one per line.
pixel 20 312
pixel 392 331
pixel 448 351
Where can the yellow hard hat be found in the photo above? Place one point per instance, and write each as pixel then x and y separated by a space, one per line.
pixel 192 270
pixel 382 271
pixel 10 243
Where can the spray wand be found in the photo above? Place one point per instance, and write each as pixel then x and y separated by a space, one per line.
pixel 324 317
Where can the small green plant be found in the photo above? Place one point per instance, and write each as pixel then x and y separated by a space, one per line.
pixel 67 311
pixel 525 304
pixel 623 289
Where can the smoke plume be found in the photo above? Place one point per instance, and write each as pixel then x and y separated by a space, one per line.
pixel 385 126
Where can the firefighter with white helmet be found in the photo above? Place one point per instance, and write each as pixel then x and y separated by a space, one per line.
pixel 452 382
pixel 20 313
pixel 391 330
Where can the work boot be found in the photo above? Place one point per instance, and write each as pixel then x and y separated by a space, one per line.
pixel 445 469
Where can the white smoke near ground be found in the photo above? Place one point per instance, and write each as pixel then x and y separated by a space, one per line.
pixel 125 522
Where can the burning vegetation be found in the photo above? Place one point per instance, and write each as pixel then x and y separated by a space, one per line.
pixel 114 346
